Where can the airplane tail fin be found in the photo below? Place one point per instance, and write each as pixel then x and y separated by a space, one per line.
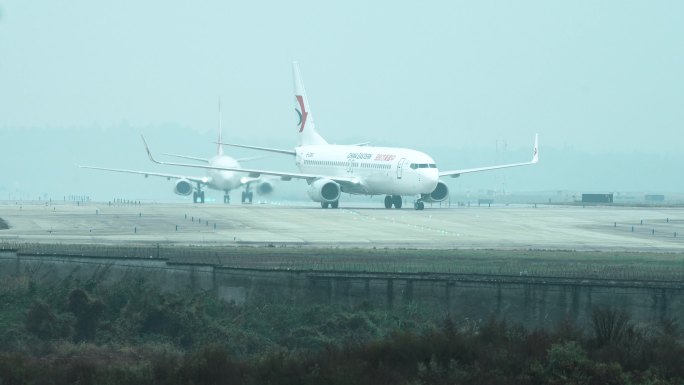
pixel 535 155
pixel 307 129
pixel 220 130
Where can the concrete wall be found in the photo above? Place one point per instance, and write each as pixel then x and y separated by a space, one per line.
pixel 533 304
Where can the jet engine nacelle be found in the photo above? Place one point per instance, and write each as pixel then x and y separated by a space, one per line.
pixel 183 187
pixel 324 190
pixel 264 188
pixel 440 193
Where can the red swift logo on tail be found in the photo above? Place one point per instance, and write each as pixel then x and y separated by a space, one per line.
pixel 302 114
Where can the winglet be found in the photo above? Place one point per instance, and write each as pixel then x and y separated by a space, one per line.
pixel 149 153
pixel 535 155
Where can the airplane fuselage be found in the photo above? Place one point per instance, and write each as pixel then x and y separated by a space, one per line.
pixel 379 170
pixel 220 179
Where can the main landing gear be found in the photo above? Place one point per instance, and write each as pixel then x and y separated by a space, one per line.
pixel 198 196
pixel 247 196
pixel 393 200
pixel 226 198
pixel 332 205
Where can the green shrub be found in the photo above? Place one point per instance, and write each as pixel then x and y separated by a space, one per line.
pixel 610 325
pixel 87 312
pixel 42 321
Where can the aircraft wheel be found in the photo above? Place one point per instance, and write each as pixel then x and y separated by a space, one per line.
pixel 324 205
pixel 250 196
pixel 201 196
pixel 388 202
pixel 194 197
pixel 226 199
pixel 419 205
pixel 335 204
pixel 396 200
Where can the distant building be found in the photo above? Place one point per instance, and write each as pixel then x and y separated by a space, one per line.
pixel 597 198
pixel 654 198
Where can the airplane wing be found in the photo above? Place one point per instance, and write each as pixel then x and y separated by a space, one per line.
pixel 254 173
pixel 202 180
pixel 535 159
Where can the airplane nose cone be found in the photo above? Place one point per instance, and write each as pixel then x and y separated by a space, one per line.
pixel 429 179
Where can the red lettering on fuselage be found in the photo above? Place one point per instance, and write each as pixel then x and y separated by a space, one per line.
pixel 385 157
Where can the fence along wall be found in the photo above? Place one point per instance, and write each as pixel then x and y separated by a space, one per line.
pixel 533 302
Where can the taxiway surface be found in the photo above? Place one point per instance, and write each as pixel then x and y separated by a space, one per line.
pixel 503 227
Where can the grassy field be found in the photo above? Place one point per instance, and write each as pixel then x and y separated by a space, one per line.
pixel 548 263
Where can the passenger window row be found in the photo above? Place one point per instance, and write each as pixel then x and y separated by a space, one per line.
pixel 345 164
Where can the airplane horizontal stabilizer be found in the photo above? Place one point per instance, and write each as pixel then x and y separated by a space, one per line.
pixel 276 150
pixel 188 157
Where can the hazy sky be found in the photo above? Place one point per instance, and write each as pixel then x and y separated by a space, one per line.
pixel 589 76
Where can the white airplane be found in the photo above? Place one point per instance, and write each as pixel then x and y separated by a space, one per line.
pixel 332 169
pixel 220 176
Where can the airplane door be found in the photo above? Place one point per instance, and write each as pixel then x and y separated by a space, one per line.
pixel 400 166
pixel 350 166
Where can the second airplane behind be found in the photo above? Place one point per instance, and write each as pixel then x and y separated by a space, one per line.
pixel 219 176
pixel 331 169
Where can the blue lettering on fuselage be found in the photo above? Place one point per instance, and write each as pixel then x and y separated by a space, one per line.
pixel 359 155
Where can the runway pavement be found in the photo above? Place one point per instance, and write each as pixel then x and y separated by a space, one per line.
pixel 496 227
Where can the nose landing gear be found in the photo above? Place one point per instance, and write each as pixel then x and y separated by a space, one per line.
pixel 419 205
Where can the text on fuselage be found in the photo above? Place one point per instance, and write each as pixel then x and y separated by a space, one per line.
pixel 385 157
